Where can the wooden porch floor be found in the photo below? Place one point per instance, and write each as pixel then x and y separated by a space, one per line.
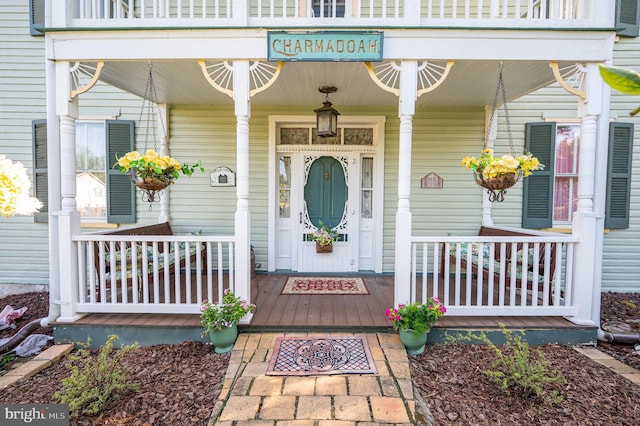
pixel 277 312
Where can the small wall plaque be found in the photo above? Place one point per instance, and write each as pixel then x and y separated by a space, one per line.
pixel 431 180
pixel 223 176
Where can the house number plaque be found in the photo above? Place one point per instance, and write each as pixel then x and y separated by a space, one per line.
pixel 223 176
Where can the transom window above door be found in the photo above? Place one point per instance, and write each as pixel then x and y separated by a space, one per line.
pixel 308 136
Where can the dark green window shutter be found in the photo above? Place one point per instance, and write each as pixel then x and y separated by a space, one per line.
pixel 36 17
pixel 40 175
pixel 628 18
pixel 537 208
pixel 121 194
pixel 619 175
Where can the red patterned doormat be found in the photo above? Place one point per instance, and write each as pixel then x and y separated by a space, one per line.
pixel 325 285
pixel 306 356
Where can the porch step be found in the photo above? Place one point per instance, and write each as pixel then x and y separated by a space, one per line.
pixel 152 329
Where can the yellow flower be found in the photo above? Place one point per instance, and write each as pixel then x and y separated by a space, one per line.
pixel 14 190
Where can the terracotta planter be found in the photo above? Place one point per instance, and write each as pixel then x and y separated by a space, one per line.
pixel 324 249
pixel 224 339
pixel 414 344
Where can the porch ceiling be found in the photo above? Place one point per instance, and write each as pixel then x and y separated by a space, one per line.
pixel 470 83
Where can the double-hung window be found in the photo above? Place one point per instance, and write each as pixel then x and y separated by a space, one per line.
pixel 551 195
pixel 103 194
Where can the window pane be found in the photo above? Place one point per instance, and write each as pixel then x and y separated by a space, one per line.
pixel 358 136
pixel 285 186
pixel 290 136
pixel 567 142
pixel 317 140
pixel 91 194
pixel 565 199
pixel 367 204
pixel 366 183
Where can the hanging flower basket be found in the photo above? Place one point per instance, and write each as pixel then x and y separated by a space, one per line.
pixel 152 172
pixel 497 174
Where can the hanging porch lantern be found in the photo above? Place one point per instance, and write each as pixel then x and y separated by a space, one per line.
pixel 327 116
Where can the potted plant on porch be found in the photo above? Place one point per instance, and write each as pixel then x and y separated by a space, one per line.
pixel 413 321
pixel 220 320
pixel 324 238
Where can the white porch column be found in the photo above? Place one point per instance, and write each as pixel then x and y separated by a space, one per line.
pixel 53 173
pixel 588 252
pixel 491 130
pixel 407 104
pixel 68 217
pixel 242 217
pixel 163 131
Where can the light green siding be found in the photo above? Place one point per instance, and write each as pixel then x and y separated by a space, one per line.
pixel 23 244
pixel 621 264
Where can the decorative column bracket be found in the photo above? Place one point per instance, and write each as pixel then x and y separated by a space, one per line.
pixel 220 76
pixel 84 75
pixel 571 78
pixel 430 75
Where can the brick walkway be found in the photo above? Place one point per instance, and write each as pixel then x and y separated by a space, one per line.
pixel 251 397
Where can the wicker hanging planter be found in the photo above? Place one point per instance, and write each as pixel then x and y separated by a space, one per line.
pixel 497 186
pixel 150 187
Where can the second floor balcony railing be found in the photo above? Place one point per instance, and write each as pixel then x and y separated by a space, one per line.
pixel 547 14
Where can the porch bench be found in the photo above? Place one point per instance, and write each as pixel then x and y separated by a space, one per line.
pixel 487 231
pixel 158 229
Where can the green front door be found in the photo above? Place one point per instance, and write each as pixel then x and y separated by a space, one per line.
pixel 325 192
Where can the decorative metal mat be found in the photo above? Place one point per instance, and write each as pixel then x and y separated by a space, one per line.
pixel 325 285
pixel 305 356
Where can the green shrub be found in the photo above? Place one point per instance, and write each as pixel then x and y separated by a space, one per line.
pixel 94 383
pixel 6 359
pixel 518 371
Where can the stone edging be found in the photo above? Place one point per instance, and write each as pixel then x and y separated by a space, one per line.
pixel 611 363
pixel 35 365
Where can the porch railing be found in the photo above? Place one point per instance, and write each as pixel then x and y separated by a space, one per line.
pixel 496 276
pixel 290 13
pixel 152 274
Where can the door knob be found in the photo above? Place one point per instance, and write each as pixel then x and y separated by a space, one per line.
pixel 301 218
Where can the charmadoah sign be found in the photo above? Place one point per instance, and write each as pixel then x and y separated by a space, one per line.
pixel 341 46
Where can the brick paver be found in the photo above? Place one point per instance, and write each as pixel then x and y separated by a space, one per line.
pixel 314 408
pixel 278 407
pixel 388 410
pixel 331 385
pixel 354 408
pixel 299 385
pixel 240 408
pixel 266 385
pixel 364 385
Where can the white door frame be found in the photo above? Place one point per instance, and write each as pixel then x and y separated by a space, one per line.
pixel 376 150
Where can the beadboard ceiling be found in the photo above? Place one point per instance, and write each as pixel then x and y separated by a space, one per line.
pixel 470 83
